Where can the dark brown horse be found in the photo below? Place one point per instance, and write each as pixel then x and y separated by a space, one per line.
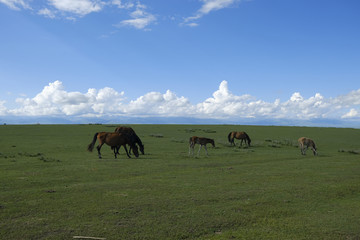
pixel 239 135
pixel 133 137
pixel 199 140
pixel 114 140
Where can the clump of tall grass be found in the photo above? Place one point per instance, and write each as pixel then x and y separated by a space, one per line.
pixel 192 130
pixel 157 135
pixel 349 151
pixel 281 143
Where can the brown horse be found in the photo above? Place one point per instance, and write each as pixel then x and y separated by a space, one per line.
pixel 114 140
pixel 305 143
pixel 133 137
pixel 199 140
pixel 239 135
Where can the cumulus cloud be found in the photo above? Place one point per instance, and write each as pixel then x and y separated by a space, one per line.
pixel 158 104
pixel 54 100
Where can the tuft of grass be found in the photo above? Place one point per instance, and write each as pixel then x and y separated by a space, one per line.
pixel 157 135
pixel 193 130
pixel 349 151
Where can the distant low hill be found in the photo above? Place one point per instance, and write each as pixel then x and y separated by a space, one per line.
pixel 176 120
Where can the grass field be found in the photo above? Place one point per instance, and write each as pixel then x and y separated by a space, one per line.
pixel 52 188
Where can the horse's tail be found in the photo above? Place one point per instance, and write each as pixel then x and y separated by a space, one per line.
pixel 229 137
pixel 91 145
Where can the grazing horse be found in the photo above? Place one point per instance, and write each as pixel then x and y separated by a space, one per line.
pixel 129 131
pixel 305 143
pixel 199 140
pixel 239 135
pixel 114 140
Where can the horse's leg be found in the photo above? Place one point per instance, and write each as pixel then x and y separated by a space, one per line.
pixel 305 149
pixel 301 148
pixel 191 149
pixel 199 149
pixel 98 149
pixel 314 151
pixel 127 153
pixel 115 151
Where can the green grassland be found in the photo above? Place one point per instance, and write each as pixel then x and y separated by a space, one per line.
pixel 52 188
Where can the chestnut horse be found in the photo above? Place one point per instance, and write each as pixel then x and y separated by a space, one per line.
pixel 239 135
pixel 114 140
pixel 199 140
pixel 305 143
pixel 129 131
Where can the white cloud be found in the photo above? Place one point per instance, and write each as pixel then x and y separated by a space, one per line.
pixel 3 109
pixel 73 9
pixel 140 18
pixel 139 23
pixel 46 12
pixel 54 100
pixel 155 103
pixel 16 4
pixel 78 7
pixel 213 5
pixel 192 24
pixel 353 113
pixel 119 4
pixel 296 97
pixel 207 7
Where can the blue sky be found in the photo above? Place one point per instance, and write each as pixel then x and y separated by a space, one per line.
pixel 217 59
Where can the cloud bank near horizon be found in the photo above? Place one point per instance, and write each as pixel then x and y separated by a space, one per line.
pixel 55 101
